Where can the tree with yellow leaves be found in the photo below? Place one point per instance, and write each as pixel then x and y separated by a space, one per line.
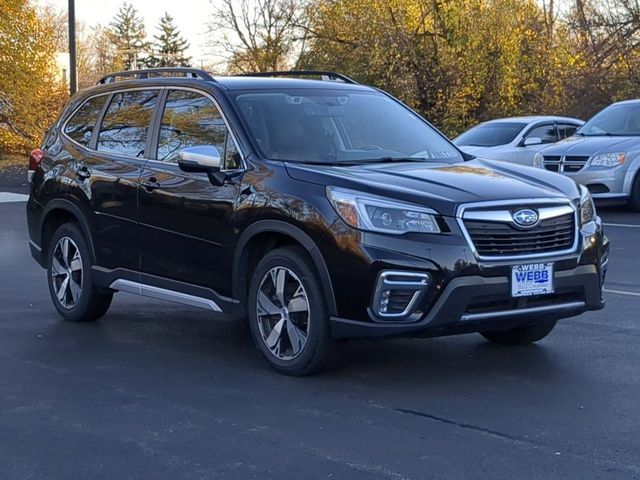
pixel 30 93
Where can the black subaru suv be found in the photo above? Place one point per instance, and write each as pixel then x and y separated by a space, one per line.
pixel 316 208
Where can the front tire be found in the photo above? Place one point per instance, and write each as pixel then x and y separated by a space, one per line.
pixel 288 314
pixel 72 292
pixel 520 335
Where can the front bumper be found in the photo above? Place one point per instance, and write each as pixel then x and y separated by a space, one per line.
pixel 477 303
pixel 466 295
pixel 603 183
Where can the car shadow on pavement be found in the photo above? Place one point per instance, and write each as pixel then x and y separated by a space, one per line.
pixel 159 336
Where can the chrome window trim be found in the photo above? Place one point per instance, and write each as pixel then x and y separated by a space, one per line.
pixel 114 92
pixel 564 202
pixel 160 90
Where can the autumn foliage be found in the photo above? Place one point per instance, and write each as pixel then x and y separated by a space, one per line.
pixel 30 93
pixel 458 62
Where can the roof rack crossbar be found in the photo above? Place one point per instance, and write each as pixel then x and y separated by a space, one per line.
pixel 157 72
pixel 300 73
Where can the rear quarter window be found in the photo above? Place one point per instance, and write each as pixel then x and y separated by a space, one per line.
pixel 82 123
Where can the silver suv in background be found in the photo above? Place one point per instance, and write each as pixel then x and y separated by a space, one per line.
pixel 515 139
pixel 603 155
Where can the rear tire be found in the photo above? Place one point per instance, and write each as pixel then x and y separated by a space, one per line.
pixel 72 292
pixel 520 335
pixel 288 314
pixel 634 199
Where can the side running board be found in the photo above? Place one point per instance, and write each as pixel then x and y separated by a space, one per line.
pixel 164 294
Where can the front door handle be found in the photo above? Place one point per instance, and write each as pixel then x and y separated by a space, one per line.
pixel 151 184
pixel 83 172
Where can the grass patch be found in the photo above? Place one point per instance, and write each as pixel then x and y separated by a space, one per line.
pixel 12 160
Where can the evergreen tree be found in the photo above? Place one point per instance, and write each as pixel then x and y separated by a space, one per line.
pixel 169 47
pixel 129 37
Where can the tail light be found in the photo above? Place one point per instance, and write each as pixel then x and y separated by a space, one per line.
pixel 35 157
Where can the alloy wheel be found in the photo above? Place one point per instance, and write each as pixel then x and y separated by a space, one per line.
pixel 66 272
pixel 282 312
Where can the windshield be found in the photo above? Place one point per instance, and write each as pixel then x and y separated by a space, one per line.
pixel 339 127
pixel 490 134
pixel 615 120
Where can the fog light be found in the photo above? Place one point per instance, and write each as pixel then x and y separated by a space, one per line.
pixel 384 301
pixel 397 293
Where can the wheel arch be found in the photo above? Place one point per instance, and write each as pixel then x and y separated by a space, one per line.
pixel 264 235
pixel 56 213
pixel 630 176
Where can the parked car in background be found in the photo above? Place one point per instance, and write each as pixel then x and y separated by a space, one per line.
pixel 603 155
pixel 515 139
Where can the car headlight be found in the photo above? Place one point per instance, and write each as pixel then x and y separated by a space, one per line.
pixel 608 160
pixel 587 208
pixel 368 212
pixel 537 160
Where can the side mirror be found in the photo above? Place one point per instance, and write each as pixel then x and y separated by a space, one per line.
pixel 200 159
pixel 532 141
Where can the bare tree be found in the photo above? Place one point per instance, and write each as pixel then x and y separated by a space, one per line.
pixel 94 48
pixel 257 35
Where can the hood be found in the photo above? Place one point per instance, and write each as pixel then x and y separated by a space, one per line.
pixel 587 146
pixel 441 186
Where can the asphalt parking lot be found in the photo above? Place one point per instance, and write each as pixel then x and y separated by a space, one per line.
pixel 162 391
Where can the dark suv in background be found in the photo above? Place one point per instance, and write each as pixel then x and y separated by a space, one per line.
pixel 319 209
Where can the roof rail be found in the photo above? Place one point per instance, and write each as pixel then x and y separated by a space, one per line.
pixel 157 72
pixel 331 76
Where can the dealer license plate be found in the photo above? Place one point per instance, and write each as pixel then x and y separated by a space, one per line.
pixel 532 279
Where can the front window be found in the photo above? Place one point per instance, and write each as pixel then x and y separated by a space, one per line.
pixel 490 134
pixel 191 119
pixel 340 127
pixel 615 120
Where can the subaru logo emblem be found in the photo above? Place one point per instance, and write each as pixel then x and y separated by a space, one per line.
pixel 525 217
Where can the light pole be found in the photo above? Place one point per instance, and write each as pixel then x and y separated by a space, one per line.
pixel 73 78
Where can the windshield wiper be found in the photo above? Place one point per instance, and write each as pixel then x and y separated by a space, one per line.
pixel 609 134
pixel 389 160
pixel 365 161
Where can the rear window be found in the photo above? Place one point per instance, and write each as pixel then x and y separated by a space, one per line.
pixel 490 134
pixel 81 124
pixel 126 123
pixel 566 130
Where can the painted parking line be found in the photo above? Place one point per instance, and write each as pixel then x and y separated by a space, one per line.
pixel 7 197
pixel 623 225
pixel 622 292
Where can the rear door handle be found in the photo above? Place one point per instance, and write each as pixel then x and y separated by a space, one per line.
pixel 151 184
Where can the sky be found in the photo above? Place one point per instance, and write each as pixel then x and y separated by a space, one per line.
pixel 190 16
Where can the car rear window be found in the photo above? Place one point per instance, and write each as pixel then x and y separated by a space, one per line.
pixel 126 123
pixel 81 124
pixel 490 134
